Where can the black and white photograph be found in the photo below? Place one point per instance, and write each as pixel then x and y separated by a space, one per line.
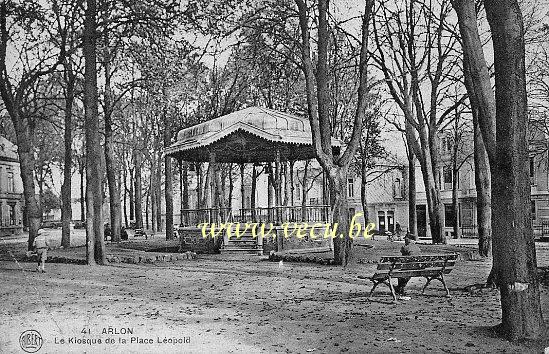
pixel 274 176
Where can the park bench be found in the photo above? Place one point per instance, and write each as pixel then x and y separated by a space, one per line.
pixel 430 267
pixel 140 232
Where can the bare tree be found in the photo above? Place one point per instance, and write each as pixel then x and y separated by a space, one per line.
pixel 68 22
pixel 38 60
pixel 336 167
pixel 482 100
pixel 503 124
pixel 94 173
pixel 415 50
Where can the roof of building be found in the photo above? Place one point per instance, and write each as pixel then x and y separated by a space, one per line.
pixel 8 150
pixel 249 135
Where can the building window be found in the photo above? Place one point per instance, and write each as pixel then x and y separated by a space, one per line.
pixel 11 182
pixel 447 144
pixel 12 214
pixel 391 221
pixel 397 189
pixel 248 202
pixel 381 221
pixel 313 201
pixel 447 174
pixel 533 209
pixel 447 177
pixel 352 212
pixel 532 171
pixel 350 188
pixel 449 215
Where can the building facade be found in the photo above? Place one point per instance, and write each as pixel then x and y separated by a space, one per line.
pixel 11 190
pixel 388 201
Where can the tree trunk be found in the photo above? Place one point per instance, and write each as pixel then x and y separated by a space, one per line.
pixel 110 164
pixel 185 188
pixel 340 215
pixel 90 237
pixel 304 191
pixel 270 187
pixel 125 186
pixel 253 192
pixel 277 184
pixel 93 161
pixel 455 205
pixel 436 217
pixel 481 97
pixel 436 209
pixel 412 217
pixel 147 208
pixel 152 194
pixel 477 83
pixel 207 197
pixel 66 207
pixel 287 184
pixel 484 191
pixel 158 191
pixel 455 176
pixel 40 192
pixel 514 249
pixel 138 192
pixel 242 187
pixel 318 111
pixel 214 201
pixel 231 187
pixel 82 172
pixel 23 133
pixel 168 179
pixel 363 185
pixel 119 186
pixel 199 185
pixel 26 163
pixel 219 191
pixel 132 195
pixel 168 195
pixel 223 181
pixel 433 200
pixel 292 185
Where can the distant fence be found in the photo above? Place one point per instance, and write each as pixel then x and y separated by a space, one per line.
pixel 540 230
pixel 309 213
pixel 469 231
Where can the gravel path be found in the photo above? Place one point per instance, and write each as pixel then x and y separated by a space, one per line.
pixel 226 304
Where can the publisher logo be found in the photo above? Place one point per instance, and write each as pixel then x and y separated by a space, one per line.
pixel 30 341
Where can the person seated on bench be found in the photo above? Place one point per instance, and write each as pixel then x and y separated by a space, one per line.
pixel 409 249
pixel 123 233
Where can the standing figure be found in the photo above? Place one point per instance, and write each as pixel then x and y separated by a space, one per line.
pixel 398 231
pixel 41 245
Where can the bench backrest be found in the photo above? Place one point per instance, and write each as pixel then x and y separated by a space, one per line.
pixel 418 265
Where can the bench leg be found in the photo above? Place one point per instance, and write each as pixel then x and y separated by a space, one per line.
pixel 392 289
pixel 425 286
pixel 376 283
pixel 444 284
pixel 439 278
